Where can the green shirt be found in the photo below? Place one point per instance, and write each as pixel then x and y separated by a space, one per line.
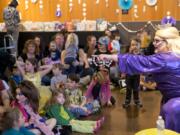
pixel 60 113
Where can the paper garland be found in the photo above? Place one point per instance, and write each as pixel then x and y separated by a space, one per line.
pixel 149 23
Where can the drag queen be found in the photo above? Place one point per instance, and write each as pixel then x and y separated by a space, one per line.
pixel 165 67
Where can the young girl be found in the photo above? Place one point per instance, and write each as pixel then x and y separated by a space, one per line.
pixel 57 110
pixel 99 88
pixel 71 52
pixel 27 100
pixel 31 73
pixel 13 123
pixel 132 81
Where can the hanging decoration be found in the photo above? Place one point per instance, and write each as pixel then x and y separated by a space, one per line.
pixel 168 20
pixel 70 5
pixel 84 13
pixel 149 23
pixel 151 2
pixel 178 3
pixel 144 9
pixel 20 15
pixel 107 3
pixel 41 6
pixel 125 4
pixel 97 1
pixel 117 11
pixel 33 1
pixel 26 4
pixel 135 11
pixel 156 8
pixel 58 11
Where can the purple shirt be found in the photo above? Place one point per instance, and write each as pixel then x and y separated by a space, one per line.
pixel 165 68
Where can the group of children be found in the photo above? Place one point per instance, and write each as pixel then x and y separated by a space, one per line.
pixel 43 108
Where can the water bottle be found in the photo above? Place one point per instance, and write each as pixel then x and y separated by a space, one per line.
pixel 160 126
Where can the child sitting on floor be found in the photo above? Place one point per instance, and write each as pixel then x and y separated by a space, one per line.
pixel 31 73
pixel 99 88
pixel 57 110
pixel 58 77
pixel 78 104
pixel 27 101
pixel 13 123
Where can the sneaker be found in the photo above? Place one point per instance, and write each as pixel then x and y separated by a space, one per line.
pixel 96 128
pixel 139 104
pixel 96 104
pixel 125 105
pixel 100 122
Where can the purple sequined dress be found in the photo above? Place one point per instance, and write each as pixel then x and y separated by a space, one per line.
pixel 165 68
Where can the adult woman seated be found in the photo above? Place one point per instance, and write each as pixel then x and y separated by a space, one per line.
pixel 165 68
pixel 30 51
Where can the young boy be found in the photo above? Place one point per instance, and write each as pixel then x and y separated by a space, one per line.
pixel 132 81
pixel 77 102
pixel 58 78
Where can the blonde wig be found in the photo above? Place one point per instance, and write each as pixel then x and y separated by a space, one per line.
pixel 171 35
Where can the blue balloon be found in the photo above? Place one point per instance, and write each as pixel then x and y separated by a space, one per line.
pixel 125 4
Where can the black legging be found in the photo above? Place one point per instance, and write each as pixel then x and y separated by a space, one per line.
pixel 132 82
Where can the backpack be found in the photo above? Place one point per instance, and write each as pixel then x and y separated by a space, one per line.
pixel 11 16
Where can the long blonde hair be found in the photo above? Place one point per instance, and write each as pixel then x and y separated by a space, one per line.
pixel 72 39
pixel 171 35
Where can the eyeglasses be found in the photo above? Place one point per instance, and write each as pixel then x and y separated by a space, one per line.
pixel 156 41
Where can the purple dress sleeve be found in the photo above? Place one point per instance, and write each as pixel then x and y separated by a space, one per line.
pixel 165 68
pixel 136 64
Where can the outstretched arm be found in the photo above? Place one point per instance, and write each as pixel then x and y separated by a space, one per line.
pixel 113 57
pixel 137 64
pixel 45 69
